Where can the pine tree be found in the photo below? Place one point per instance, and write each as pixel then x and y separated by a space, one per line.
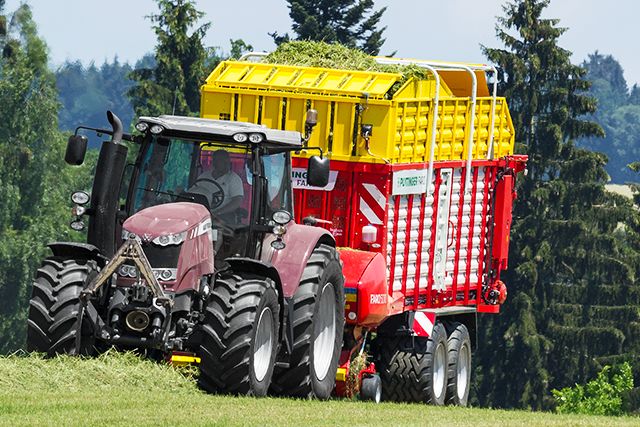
pixel 173 85
pixel 352 23
pixel 565 234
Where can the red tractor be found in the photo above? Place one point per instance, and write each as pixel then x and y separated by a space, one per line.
pixel 168 271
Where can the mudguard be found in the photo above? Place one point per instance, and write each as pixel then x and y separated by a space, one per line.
pixel 76 250
pixel 300 241
pixel 366 289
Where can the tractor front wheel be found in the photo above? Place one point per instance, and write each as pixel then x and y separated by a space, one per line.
pixel 318 323
pixel 239 336
pixel 55 307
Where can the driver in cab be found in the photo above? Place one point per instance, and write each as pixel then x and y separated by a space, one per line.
pixel 221 186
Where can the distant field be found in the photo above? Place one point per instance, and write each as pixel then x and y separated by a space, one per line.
pixel 120 389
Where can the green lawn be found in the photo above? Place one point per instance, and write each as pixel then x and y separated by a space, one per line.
pixel 119 389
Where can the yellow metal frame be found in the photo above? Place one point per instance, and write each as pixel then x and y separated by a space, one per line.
pixel 278 96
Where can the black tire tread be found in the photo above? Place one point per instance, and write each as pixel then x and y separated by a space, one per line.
pixel 296 381
pixel 406 374
pixel 226 333
pixel 457 335
pixel 55 305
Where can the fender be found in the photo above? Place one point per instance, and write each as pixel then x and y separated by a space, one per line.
pixel 366 289
pixel 300 241
pixel 76 250
pixel 249 265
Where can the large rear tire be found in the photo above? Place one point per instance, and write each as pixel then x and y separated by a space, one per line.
pixel 239 336
pixel 55 306
pixel 414 369
pixel 459 372
pixel 318 323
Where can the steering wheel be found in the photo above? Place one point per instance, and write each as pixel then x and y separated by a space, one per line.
pixel 217 197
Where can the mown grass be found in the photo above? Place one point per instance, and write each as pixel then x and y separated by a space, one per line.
pixel 121 389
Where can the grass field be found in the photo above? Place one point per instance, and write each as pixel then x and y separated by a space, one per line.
pixel 120 389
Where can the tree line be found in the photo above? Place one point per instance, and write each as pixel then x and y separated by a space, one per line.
pixel 574 264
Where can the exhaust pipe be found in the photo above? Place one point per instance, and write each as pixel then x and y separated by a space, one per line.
pixel 106 189
pixel 116 125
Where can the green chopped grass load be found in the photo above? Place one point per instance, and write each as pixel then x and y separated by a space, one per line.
pixel 337 56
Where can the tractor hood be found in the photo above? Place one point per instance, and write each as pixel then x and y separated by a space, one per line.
pixel 170 218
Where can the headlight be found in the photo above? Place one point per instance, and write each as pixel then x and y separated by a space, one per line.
pixel 170 239
pixel 256 138
pixel 156 129
pixel 142 126
pixel 77 225
pixel 240 137
pixel 80 198
pixel 281 217
pixel 165 274
pixel 126 270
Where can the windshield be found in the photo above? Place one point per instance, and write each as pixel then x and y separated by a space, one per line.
pixel 175 170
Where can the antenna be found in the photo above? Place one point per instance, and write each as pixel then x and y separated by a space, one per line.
pixel 175 97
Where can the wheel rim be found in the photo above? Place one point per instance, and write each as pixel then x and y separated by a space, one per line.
pixel 325 332
pixel 439 371
pixel 263 345
pixel 462 371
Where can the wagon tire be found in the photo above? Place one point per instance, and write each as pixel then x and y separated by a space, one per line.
pixel 459 372
pixel 318 323
pixel 413 369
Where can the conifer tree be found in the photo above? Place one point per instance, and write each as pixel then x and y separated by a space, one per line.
pixel 352 23
pixel 565 233
pixel 173 85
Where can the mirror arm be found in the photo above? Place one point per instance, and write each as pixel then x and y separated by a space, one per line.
pixel 311 148
pixel 125 136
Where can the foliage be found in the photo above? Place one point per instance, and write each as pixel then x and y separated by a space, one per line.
pixel 173 85
pixel 352 23
pixel 600 396
pixel 566 228
pixel 337 56
pixel 34 184
pixel 86 93
pixel 618 113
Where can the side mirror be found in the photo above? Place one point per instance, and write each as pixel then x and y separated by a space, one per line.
pixel 318 171
pixel 76 149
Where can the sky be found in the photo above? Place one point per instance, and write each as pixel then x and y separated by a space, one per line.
pixel 449 30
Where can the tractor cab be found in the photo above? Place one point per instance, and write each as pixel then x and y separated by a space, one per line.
pixel 239 172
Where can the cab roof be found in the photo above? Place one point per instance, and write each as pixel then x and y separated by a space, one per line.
pixel 200 128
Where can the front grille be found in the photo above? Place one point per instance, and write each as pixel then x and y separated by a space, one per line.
pixel 162 256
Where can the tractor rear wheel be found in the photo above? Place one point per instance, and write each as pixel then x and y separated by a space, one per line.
pixel 318 323
pixel 55 306
pixel 239 336
pixel 459 372
pixel 414 369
